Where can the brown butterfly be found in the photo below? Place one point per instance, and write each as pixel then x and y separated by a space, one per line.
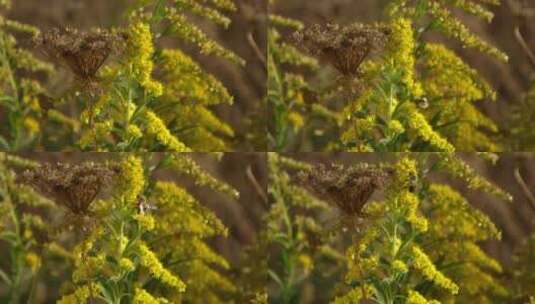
pixel 345 48
pixel 347 188
pixel 83 52
pixel 71 186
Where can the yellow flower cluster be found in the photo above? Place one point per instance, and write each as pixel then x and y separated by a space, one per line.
pixel 145 221
pixel 80 295
pixel 415 297
pixel 181 213
pixel 417 124
pixel 402 48
pixel 154 126
pixel 424 264
pixel 400 266
pixel 132 180
pixel 202 11
pixel 126 265
pixel 285 22
pixel 457 168
pixel 453 215
pixel 141 50
pixel 141 296
pixel 91 136
pixel 353 296
pixel 187 31
pixel 447 76
pixel 411 202
pixel 186 165
pixel 202 130
pixel 454 28
pixel 149 260
pixel 187 82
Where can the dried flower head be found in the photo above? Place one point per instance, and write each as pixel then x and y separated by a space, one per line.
pixel 83 52
pixel 345 48
pixel 72 186
pixel 348 188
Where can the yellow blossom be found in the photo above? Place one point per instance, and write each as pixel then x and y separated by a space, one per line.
pixel 418 124
pixel 80 295
pixel 126 265
pixel 141 296
pixel 132 179
pixel 154 126
pixel 422 263
pixel 402 47
pixel 140 50
pixel 399 266
pixel 145 221
pixel 149 260
pixel 416 298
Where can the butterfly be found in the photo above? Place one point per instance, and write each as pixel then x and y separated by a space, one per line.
pixel 83 52
pixel 347 188
pixel 345 48
pixel 71 186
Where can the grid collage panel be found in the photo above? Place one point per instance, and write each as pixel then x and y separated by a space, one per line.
pixel 248 151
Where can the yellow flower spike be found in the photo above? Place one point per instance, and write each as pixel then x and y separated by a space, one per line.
pixel 145 221
pixel 355 295
pixel 141 296
pixel 98 132
pixel 196 8
pixel 149 260
pixel 416 298
pixel 401 47
pixel 191 33
pixel 154 126
pixel 133 131
pixel 454 28
pixel 181 73
pixel 126 265
pixel 424 264
pixel 458 168
pixel 132 180
pixel 185 165
pixel 140 51
pixel 418 125
pixel 80 295
pixel 400 266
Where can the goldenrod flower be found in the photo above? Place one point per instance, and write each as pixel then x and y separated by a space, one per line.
pixel 149 260
pixel 402 47
pixel 416 298
pixel 424 264
pixel 141 296
pixel 80 295
pixel 141 50
pixel 131 180
pixel 154 126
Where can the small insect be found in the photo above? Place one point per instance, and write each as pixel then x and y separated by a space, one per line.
pixel 144 206
pixel 345 48
pixel 83 52
pixel 72 186
pixel 347 188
